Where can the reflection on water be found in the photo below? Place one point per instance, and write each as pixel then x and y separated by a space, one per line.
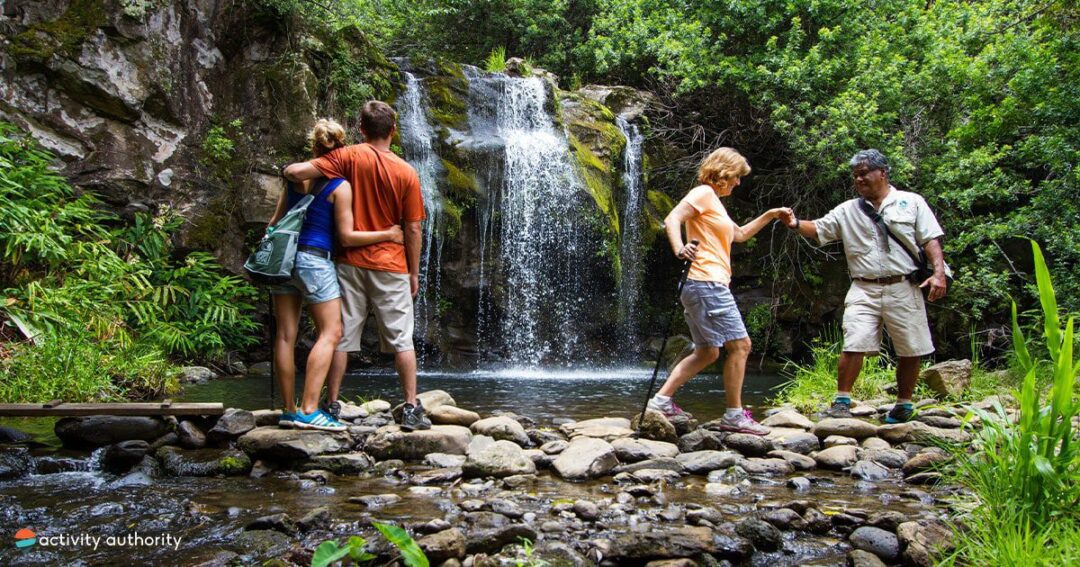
pixel 542 395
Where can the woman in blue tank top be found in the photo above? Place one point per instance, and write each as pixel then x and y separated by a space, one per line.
pixel 315 282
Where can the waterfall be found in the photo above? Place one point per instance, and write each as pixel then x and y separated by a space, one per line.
pixel 630 285
pixel 416 140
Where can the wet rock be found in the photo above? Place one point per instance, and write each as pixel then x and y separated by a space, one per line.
pixel 667 464
pixel 120 457
pixel 262 543
pixel 672 563
pixel 701 440
pixel 924 478
pixel 190 436
pixel 100 430
pixel 847 427
pixel 443 460
pixel 861 410
pixel 232 424
pixel 519 481
pixel 541 437
pixel 130 480
pixel 342 463
pixel 539 458
pixel 654 426
pixel 317 518
pixel 275 443
pixel 703 462
pixel 501 428
pixel 846 523
pixel 554 447
pixel 889 458
pixel 260 469
pixel 586 458
pixel 877 541
pixel 507 508
pixel 875 443
pixel 869 470
pixel 15 463
pixel 923 542
pixel 433 526
pixel 390 442
pixel 373 407
pixel 499 458
pixel 431 400
pixel 634 450
pixel 10 435
pixel 887 520
pixel 732 547
pixel 277 522
pixel 860 558
pixel 491 540
pixel 196 375
pixel 797 461
pixel 606 428
pixel 437 476
pixel 169 438
pixel 639 490
pixel 587 510
pixel 784 519
pixel 262 369
pixel 706 514
pixel 839 440
pixel 816 521
pixel 794 440
pixel 799 483
pixel 837 458
pixel 941 422
pixel 204 462
pixel 684 423
pixel 764 535
pixel 789 419
pixel 443 545
pixel 376 500
pixel 772 467
pixel 748 445
pixel 659 544
pixel 949 378
pixel 919 432
pixel 650 476
pixel 925 461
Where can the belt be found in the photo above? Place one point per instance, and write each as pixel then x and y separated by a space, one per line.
pixel 884 281
pixel 315 251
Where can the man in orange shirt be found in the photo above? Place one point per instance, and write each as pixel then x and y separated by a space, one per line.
pixel 382 278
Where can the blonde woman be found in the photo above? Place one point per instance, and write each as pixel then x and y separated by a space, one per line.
pixel 315 282
pixel 709 307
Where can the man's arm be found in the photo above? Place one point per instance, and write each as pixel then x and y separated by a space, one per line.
pixel 937 283
pixel 805 228
pixel 413 240
pixel 302 171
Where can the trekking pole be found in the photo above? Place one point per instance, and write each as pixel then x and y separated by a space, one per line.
pixel 273 339
pixel 667 335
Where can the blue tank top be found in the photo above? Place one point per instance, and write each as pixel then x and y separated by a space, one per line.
pixel 318 229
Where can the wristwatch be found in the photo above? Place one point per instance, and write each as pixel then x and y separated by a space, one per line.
pixel 796 227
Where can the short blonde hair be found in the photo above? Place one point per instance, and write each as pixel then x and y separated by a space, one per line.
pixel 326 136
pixel 723 163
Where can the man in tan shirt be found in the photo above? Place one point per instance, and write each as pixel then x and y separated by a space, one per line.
pixel 882 294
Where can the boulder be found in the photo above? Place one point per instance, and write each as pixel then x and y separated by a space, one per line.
pixel 444 545
pixel 120 457
pixel 949 378
pixel 890 458
pixel 453 415
pixel 634 450
pixel 274 443
pixel 881 543
pixel 498 458
pixel 443 460
pixel 784 519
pixel 869 470
pixel 702 440
pixel 342 463
pixel 685 541
pixel 266 417
pixel 204 462
pixel 748 445
pixel 196 375
pixel 797 461
pixel 845 426
pixel 606 428
pixel 654 426
pixel 390 442
pixel 764 535
pixel 794 440
pixel 923 542
pixel 373 407
pixel 15 463
pixel 11 435
pixel 766 466
pixel 96 431
pixel 501 427
pixel 875 443
pixel 232 424
pixel 703 462
pixel 919 432
pixel 924 461
pixel 586 458
pixel 190 436
pixel 544 436
pixel 860 558
pixel 837 458
pixel 789 419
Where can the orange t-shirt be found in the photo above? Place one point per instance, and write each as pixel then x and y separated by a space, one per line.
pixel 714 230
pixel 386 191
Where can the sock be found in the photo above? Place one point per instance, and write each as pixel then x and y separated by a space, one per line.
pixel 904 403
pixel 662 399
pixel 844 397
pixel 733 413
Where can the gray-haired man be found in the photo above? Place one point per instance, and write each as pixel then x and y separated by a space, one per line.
pixel 882 293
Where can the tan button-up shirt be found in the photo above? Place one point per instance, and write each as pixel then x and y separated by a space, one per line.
pixel 868 254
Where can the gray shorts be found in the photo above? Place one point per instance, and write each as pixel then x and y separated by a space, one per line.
pixel 711 314
pixel 313 277
pixel 388 296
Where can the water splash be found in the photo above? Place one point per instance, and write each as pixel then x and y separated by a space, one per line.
pixel 631 252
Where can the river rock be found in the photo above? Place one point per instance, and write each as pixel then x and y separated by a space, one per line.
pixel 923 541
pixel 544 436
pixel 863 410
pixel 877 541
pixel 437 476
pixel 262 369
pixel 663 463
pixel 940 421
pixel 440 546
pixel 634 450
pixel 654 426
pixel 837 458
pixel 501 427
pixel 685 541
pixel 874 443
pixel 11 435
pixel 845 426
pixel 261 543
pixel 196 375
pixel 799 483
pixel 789 419
pixel 443 460
pixel 586 458
pixel 277 522
pixel 860 558
pixel 924 478
pixel 764 535
pixel 888 520
pixel 794 440
pixel 924 461
pixel 748 445
pixel 650 476
pixel 232 424
pixel 266 417
pixel 555 447
pixel 453 415
pixel 797 461
pixel 292 444
pixel 684 423
pixel 190 436
pixel 342 463
pixel 766 466
pixel 919 432
pixel 376 500
pixel 390 442
pixel 784 519
pixel 949 378
pixel 587 510
pixel 434 398
pixel 99 430
pixel 703 462
pixel 15 463
pixel 204 462
pixel 120 457
pixel 499 459
pixel 869 470
pixel 606 428
pixel 491 540
pixel 890 458
pixel 816 521
pixel 701 440
pixel 838 440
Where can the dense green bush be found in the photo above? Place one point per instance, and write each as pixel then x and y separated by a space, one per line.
pixel 105 301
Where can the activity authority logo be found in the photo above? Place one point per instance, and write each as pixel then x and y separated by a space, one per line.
pixel 25 538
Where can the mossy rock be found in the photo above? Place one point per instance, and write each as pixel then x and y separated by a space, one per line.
pixel 447 92
pixel 460 185
pixel 62 36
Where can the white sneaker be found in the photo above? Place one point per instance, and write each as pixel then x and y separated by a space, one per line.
pixel 744 423
pixel 669 409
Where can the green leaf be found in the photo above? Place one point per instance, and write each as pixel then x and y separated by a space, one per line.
pixel 328 552
pixel 410 552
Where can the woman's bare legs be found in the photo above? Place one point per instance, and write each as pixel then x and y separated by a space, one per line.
pixel 287 313
pixel 327 317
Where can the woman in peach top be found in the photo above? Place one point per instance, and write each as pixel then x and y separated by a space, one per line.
pixel 709 307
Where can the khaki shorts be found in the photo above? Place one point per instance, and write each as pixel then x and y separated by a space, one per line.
pixel 387 295
pixel 898 307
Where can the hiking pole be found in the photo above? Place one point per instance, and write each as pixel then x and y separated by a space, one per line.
pixel 667 335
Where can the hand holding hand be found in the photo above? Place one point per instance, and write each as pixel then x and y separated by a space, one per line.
pixel 938 287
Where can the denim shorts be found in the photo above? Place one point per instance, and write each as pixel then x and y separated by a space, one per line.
pixel 711 314
pixel 313 277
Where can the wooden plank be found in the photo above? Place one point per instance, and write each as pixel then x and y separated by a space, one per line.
pixel 142 408
pixel 52 403
pixel 166 403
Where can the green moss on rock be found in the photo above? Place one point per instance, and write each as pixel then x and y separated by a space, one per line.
pixel 447 94
pixel 62 36
pixel 460 185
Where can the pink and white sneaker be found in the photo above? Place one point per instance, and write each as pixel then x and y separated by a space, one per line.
pixel 669 409
pixel 744 423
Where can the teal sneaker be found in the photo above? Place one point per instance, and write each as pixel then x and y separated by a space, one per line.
pixel 900 413
pixel 285 421
pixel 317 419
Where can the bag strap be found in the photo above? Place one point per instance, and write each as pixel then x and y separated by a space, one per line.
pixel 879 220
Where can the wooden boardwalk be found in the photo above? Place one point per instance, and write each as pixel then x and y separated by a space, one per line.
pixel 58 408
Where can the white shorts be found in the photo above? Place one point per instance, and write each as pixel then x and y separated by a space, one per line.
pixel 897 307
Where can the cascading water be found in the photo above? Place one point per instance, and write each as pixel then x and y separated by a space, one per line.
pixel 630 284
